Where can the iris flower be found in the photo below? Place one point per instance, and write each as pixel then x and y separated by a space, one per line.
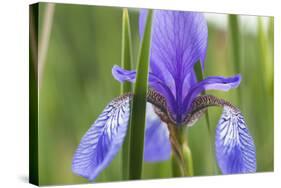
pixel 178 41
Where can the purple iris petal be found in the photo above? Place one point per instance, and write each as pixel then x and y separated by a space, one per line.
pixel 123 75
pixel 235 148
pixel 154 82
pixel 182 35
pixel 103 140
pixel 211 83
pixel 179 40
pixel 157 145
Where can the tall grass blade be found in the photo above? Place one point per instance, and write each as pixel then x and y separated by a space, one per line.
pixel 265 57
pixel 137 123
pixel 235 47
pixel 126 63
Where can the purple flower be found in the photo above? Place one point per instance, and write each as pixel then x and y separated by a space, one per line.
pixel 179 40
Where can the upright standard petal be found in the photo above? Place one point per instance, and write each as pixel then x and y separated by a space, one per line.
pixel 179 40
pixel 211 83
pixel 103 140
pixel 235 148
pixel 157 145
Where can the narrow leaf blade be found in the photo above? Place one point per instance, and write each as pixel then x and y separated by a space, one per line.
pixel 235 47
pixel 126 61
pixel 139 104
pixel 126 56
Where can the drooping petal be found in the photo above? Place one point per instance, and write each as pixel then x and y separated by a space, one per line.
pixel 179 40
pixel 103 140
pixel 235 148
pixel 157 145
pixel 211 83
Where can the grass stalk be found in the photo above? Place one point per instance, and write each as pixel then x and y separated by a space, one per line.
pixel 235 48
pixel 126 63
pixel 137 122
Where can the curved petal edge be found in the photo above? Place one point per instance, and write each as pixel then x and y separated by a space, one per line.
pixel 103 140
pixel 211 83
pixel 235 148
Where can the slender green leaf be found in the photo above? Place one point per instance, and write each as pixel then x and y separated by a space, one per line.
pixel 126 56
pixel 235 40
pixel 137 123
pixel 271 30
pixel 235 47
pixel 265 57
pixel 265 67
pixel 271 52
pixel 262 46
pixel 126 61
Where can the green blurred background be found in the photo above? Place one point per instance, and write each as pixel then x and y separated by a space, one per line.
pixel 84 44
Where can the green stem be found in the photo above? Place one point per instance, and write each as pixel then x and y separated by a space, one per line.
pixel 177 167
pixel 188 157
pixel 126 61
pixel 182 164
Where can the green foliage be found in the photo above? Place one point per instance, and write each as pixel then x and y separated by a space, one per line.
pixel 235 46
pixel 126 61
pixel 137 123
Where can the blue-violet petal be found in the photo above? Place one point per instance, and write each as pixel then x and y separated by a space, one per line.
pixel 157 145
pixel 103 140
pixel 235 148
pixel 179 40
pixel 211 83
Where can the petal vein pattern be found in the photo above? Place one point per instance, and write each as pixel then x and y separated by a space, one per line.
pixel 103 140
pixel 235 147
